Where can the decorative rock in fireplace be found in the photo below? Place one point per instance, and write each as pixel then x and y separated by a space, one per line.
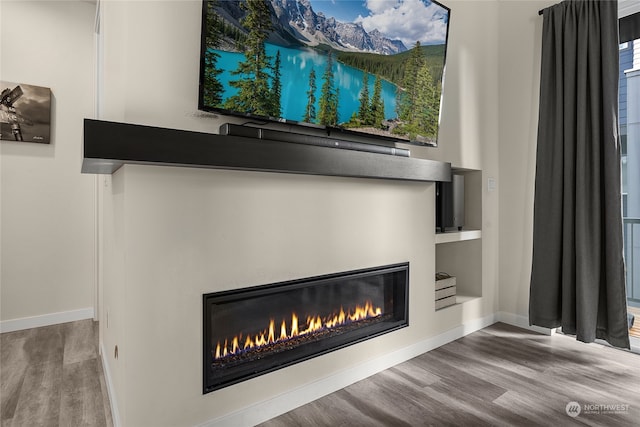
pixel 249 332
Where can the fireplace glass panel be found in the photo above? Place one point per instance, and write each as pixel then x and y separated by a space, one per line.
pixel 252 331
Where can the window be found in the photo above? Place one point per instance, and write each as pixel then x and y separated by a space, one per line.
pixel 629 110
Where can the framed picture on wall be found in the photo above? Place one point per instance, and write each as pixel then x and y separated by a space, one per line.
pixel 25 113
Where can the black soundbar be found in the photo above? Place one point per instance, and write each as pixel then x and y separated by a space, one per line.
pixel 275 135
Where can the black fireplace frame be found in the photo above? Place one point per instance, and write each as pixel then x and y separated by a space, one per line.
pixel 237 294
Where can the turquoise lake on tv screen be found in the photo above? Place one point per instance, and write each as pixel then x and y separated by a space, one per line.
pixel 296 65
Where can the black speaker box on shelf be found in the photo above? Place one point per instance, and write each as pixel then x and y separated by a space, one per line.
pixel 450 204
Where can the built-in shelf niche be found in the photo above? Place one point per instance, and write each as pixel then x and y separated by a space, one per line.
pixel 458 236
pixel 459 253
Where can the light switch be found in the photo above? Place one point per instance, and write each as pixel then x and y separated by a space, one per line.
pixel 491 184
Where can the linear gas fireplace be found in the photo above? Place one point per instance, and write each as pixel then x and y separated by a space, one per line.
pixel 252 331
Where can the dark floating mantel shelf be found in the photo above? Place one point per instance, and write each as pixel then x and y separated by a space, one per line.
pixel 109 145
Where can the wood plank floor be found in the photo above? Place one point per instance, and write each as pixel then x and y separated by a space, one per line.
pixel 52 376
pixel 499 376
pixel 502 376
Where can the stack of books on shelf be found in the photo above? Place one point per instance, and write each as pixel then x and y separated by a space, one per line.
pixel 445 290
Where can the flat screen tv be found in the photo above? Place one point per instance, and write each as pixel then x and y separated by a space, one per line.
pixel 364 66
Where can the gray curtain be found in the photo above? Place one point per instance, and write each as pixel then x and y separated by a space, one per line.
pixel 578 276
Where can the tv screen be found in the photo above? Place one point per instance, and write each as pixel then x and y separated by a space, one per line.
pixel 372 67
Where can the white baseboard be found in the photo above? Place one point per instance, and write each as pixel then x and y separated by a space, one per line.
pixel 272 407
pixel 522 322
pixel 115 413
pixel 45 320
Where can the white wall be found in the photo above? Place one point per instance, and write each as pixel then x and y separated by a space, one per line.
pixel 520 33
pixel 171 234
pixel 189 232
pixel 47 206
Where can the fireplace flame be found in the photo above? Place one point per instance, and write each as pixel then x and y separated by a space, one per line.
pixel 296 329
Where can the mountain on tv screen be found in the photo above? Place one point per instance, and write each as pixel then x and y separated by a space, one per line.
pixel 367 66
